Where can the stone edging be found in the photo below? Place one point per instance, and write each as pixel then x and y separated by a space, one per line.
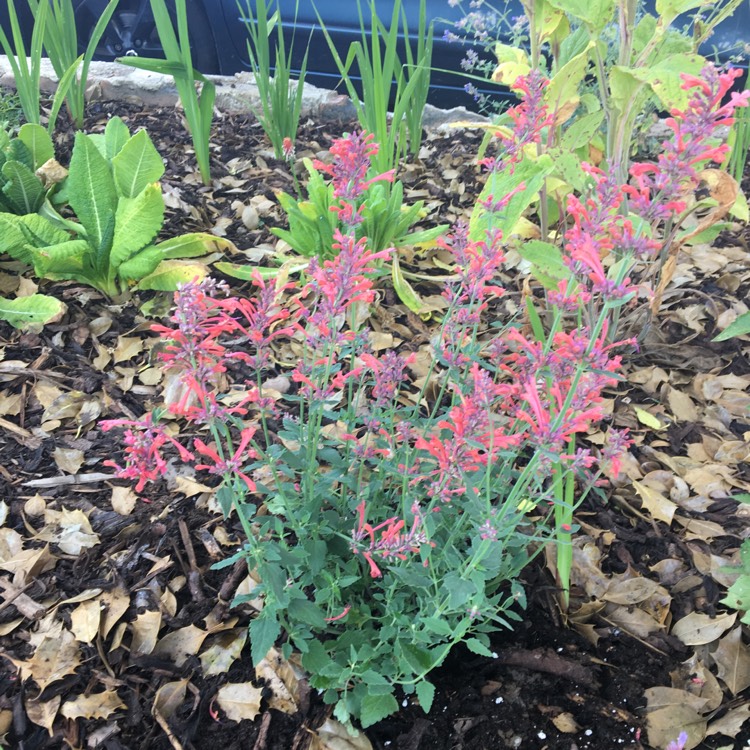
pixel 236 94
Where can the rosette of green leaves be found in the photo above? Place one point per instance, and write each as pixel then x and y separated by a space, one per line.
pixel 21 190
pixel 387 223
pixel 113 190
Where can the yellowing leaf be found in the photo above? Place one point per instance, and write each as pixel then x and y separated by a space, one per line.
pixel 648 419
pixel 239 700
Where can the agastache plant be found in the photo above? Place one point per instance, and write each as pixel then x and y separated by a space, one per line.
pixel 387 518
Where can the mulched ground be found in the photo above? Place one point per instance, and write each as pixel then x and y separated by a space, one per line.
pixel 552 685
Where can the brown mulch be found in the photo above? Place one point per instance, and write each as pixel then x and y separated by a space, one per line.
pixel 549 687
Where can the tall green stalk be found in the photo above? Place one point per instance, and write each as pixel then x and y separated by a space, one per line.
pixel 198 106
pixel 280 96
pixel 61 45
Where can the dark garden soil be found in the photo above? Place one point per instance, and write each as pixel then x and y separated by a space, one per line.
pixel 553 682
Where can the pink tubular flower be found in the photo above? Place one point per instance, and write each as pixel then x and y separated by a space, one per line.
pixel 232 465
pixel 144 440
pixel 530 118
pixel 658 188
pixel 393 540
pixel 352 157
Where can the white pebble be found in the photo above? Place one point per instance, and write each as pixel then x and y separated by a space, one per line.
pixel 541 735
pixel 499 699
pixel 588 733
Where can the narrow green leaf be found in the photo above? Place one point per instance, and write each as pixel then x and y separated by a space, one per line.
pixel 740 327
pixel 264 630
pixel 24 189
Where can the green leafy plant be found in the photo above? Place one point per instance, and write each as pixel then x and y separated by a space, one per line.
pixel 22 191
pixel 738 594
pixel 113 191
pixel 386 78
pixel 739 142
pixel 10 112
pixel 378 213
pixel 61 45
pixel 198 106
pixel 280 96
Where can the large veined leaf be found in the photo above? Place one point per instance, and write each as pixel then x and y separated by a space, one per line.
pixel 12 239
pixel 528 173
pixel 193 245
pixel 596 14
pixel 169 274
pixel 40 232
pixel 92 194
pixel 670 9
pixel 137 165
pixel 137 222
pixel 38 141
pixel 66 260
pixel 140 265
pixel 115 136
pixel 23 188
pixel 36 309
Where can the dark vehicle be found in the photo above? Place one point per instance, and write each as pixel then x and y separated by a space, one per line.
pixel 219 36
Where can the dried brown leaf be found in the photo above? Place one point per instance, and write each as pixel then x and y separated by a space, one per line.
pixel 281 678
pixel 239 700
pixel 732 658
pixel 145 629
pixel 697 629
pixel 180 644
pixel 85 619
pixel 92 706
pixel 42 713
pixel 224 650
pixel 731 723
pixel 334 736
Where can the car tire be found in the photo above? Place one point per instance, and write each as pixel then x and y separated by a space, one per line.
pixel 132 31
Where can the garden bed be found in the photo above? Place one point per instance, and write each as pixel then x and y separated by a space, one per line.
pixel 552 682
